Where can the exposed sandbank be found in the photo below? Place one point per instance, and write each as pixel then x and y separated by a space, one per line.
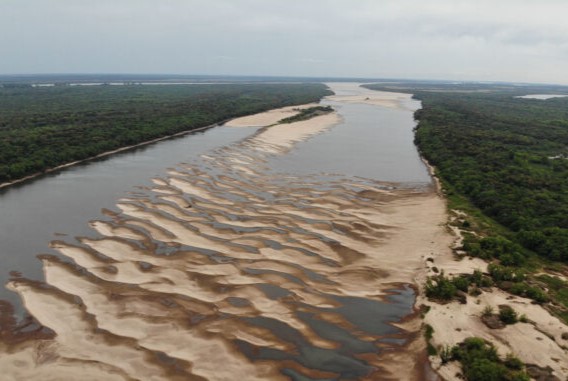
pixel 267 118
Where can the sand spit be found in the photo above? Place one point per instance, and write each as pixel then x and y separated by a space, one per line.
pixel 267 118
pixel 280 138
pixel 225 271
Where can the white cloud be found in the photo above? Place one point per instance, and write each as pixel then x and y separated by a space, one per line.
pixel 510 40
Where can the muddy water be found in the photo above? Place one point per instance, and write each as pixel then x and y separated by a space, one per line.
pixel 224 267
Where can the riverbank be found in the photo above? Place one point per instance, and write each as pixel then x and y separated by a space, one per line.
pixel 537 341
pixel 106 154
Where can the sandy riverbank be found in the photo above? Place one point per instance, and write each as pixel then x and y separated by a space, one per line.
pixel 538 342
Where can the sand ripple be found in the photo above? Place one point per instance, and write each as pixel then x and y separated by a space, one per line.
pixel 224 271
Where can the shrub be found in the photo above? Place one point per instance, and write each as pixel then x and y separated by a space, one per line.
pixel 440 287
pixel 445 354
pixel 513 362
pixel 487 311
pixel 480 362
pixel 428 331
pixel 502 273
pixel 507 314
pixel 537 294
pixel 461 283
pixel 531 292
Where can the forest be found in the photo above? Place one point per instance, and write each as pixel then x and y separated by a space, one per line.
pixel 507 155
pixel 44 127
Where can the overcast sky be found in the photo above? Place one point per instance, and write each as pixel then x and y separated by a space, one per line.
pixel 508 40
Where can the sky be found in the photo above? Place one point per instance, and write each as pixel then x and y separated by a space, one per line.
pixel 473 40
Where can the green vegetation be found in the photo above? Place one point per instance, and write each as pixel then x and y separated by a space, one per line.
pixel 508 315
pixel 505 154
pixel 558 291
pixel 440 287
pixel 308 113
pixel 503 161
pixel 480 362
pixel 428 333
pixel 43 127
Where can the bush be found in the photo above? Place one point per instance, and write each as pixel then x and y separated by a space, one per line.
pixel 487 311
pixel 440 287
pixel 531 292
pixel 428 331
pixel 513 362
pixel 537 294
pixel 480 362
pixel 461 283
pixel 445 354
pixel 507 315
pixel 484 370
pixel 501 273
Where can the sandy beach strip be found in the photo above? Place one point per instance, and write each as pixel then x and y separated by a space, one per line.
pixel 268 118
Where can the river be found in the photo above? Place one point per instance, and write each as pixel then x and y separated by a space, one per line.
pixel 258 257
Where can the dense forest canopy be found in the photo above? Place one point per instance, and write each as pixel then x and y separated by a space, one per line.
pixel 508 155
pixel 43 127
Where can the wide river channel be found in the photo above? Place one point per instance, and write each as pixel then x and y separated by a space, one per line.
pixel 289 307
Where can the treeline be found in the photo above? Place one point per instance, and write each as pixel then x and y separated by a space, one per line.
pixel 505 154
pixel 44 127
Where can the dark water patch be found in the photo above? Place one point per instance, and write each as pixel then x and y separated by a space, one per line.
pixel 373 316
pixel 244 229
pixel 366 315
pixel 272 291
pixel 238 302
pixel 290 277
pixel 350 344
pixel 310 357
